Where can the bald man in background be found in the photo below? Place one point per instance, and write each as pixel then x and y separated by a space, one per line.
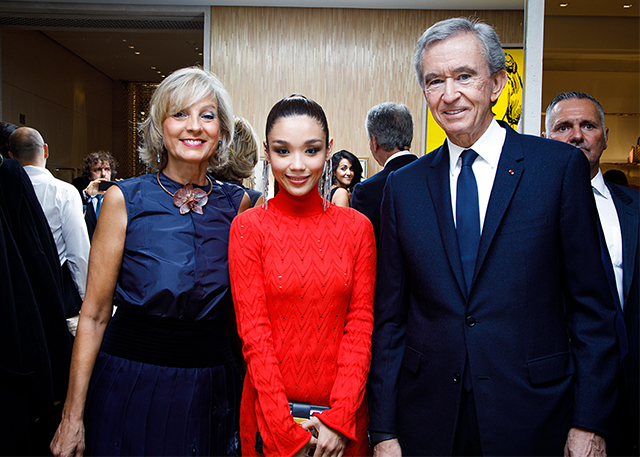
pixel 62 207
pixel 578 119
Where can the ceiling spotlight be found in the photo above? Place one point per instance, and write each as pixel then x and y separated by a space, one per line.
pixel 137 53
pixel 153 68
pixel 199 53
pixel 142 112
pixel 627 6
pixel 131 47
pixel 159 72
pixel 162 76
pixel 563 5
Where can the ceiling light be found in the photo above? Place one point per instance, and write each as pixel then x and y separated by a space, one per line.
pixel 131 47
pixel 563 5
pixel 159 72
pixel 137 53
pixel 153 68
pixel 199 53
pixel 627 6
pixel 162 76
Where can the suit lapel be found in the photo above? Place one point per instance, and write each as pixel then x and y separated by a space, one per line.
pixel 628 217
pixel 508 174
pixel 440 190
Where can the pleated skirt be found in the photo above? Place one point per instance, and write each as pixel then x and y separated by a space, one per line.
pixel 135 408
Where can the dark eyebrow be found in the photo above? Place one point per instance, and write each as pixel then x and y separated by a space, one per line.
pixel 461 69
pixel 429 76
pixel 465 69
pixel 563 124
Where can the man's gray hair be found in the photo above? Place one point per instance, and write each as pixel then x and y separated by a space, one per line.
pixel 392 126
pixel 571 96
pixel 493 53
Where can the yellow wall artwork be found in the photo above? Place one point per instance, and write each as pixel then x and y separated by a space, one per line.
pixel 509 105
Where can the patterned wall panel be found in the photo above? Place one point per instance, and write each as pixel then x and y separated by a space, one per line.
pixel 346 59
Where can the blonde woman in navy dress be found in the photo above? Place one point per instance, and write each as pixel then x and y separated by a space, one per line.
pixel 159 377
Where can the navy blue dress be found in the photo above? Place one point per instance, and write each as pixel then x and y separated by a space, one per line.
pixel 165 382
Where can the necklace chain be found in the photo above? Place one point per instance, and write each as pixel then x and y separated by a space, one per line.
pixel 167 191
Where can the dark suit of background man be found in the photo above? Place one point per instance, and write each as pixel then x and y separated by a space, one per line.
pixel 509 348
pixel 390 132
pixel 577 118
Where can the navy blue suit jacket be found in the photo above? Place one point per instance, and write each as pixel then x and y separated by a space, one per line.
pixel 627 203
pixel 537 325
pixel 367 195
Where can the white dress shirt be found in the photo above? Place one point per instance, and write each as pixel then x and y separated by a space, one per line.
pixel 397 154
pixel 611 227
pixel 62 206
pixel 488 147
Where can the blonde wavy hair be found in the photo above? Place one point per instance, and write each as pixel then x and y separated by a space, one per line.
pixel 179 91
pixel 243 153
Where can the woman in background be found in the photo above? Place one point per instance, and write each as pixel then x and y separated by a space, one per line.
pixel 303 276
pixel 243 157
pixel 160 378
pixel 346 172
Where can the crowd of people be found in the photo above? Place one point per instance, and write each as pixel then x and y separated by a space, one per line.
pixel 480 300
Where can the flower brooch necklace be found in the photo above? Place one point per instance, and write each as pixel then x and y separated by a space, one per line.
pixel 189 198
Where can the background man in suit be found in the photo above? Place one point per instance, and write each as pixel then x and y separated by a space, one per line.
pixel 390 132
pixel 494 323
pixel 63 209
pixel 97 167
pixel 577 118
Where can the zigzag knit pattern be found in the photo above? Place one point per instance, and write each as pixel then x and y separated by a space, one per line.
pixel 303 282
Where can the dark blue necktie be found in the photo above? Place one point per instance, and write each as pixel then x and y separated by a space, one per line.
pixel 468 216
pixel 611 279
pixel 98 204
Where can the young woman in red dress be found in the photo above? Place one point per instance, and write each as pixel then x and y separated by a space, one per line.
pixel 302 277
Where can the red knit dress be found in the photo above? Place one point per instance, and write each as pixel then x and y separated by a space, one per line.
pixel 303 281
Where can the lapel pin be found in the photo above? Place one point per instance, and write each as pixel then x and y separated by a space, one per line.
pixel 510 172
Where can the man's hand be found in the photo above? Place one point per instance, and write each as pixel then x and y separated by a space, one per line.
pixel 584 443
pixel 92 188
pixel 387 448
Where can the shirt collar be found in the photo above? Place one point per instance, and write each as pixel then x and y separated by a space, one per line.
pixel 488 146
pixel 33 170
pixel 397 154
pixel 598 184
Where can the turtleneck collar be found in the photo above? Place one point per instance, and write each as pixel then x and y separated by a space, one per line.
pixel 302 206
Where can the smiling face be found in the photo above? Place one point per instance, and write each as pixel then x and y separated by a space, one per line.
pixel 459 89
pixel 192 135
pixel 344 173
pixel 577 122
pixel 297 150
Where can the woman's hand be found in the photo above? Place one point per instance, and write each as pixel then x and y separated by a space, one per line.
pixel 69 439
pixel 307 448
pixel 329 442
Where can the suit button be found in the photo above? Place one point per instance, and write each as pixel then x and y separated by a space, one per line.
pixel 471 321
pixel 456 377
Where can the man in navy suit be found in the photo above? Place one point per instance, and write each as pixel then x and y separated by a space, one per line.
pixel 97 167
pixel 390 132
pixel 494 323
pixel 577 118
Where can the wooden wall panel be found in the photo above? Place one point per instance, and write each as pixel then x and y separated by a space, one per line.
pixel 348 60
